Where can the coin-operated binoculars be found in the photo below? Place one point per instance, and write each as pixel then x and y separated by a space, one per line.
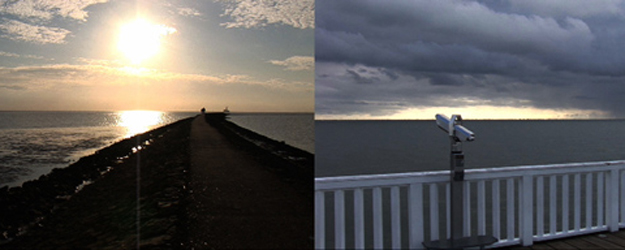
pixel 457 134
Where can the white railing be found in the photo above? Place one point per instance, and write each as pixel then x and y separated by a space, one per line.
pixel 517 205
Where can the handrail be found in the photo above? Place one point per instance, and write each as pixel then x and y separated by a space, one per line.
pixel 359 205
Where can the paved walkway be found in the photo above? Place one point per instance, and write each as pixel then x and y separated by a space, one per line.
pixel 236 203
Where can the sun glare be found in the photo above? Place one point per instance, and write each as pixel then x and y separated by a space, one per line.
pixel 140 39
pixel 139 121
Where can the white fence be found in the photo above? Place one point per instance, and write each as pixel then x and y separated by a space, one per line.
pixel 517 205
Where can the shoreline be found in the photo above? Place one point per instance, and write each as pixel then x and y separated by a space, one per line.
pixel 45 212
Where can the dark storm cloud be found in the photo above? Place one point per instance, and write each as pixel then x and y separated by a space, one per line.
pixel 361 79
pixel 543 54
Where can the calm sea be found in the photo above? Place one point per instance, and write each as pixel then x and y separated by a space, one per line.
pixel 374 147
pixel 296 129
pixel 34 143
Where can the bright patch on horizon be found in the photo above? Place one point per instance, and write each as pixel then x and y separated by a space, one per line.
pixel 140 39
pixel 139 121
pixel 502 113
pixel 478 113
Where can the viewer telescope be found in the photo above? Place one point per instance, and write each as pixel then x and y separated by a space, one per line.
pixel 453 127
pixel 457 198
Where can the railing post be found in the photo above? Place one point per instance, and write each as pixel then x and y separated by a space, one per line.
pixel 395 218
pixel 466 204
pixel 320 221
pixel 339 219
pixel 600 198
pixel 510 208
pixel 359 219
pixel 552 205
pixel 540 206
pixel 378 233
pixel 434 229
pixel 589 202
pixel 481 208
pixel 415 201
pixel 496 209
pixel 448 209
pixel 528 210
pixel 565 203
pixel 577 214
pixel 622 192
pixel 613 200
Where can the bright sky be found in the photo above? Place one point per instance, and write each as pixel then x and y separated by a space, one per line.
pixel 164 55
pixel 508 59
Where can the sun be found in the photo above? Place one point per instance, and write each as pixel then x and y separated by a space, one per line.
pixel 140 39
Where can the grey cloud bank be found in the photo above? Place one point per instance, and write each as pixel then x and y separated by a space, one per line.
pixel 378 58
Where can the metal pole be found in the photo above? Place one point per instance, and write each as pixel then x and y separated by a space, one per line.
pixel 457 133
pixel 457 188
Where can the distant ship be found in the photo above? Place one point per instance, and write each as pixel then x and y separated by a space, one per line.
pixel 226 111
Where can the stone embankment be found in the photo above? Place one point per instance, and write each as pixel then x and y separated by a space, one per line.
pixel 134 193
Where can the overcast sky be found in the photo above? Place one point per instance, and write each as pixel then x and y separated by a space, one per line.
pixel 245 54
pixel 482 59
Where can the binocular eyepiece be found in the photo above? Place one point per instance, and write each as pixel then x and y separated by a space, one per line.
pixel 454 127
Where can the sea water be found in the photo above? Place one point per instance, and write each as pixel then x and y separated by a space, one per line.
pixel 377 147
pixel 295 129
pixel 34 143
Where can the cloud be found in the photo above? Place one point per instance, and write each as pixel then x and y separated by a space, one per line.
pixel 9 54
pixel 296 63
pixel 11 87
pixel 47 9
pixel 109 87
pixel 372 56
pixel 19 31
pixel 252 14
pixel 189 12
pixel 99 72
pixel 572 8
pixel 338 91
pixel 30 20
pixel 402 31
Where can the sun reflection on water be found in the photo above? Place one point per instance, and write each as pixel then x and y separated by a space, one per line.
pixel 139 121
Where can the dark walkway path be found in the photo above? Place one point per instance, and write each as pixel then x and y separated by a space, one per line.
pixel 236 203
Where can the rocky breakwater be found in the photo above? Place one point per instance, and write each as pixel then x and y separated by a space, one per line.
pixel 291 164
pixel 131 190
pixel 132 194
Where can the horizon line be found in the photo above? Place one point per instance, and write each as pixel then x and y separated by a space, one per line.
pixel 482 119
pixel 167 111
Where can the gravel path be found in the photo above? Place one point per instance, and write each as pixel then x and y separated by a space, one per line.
pixel 235 202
